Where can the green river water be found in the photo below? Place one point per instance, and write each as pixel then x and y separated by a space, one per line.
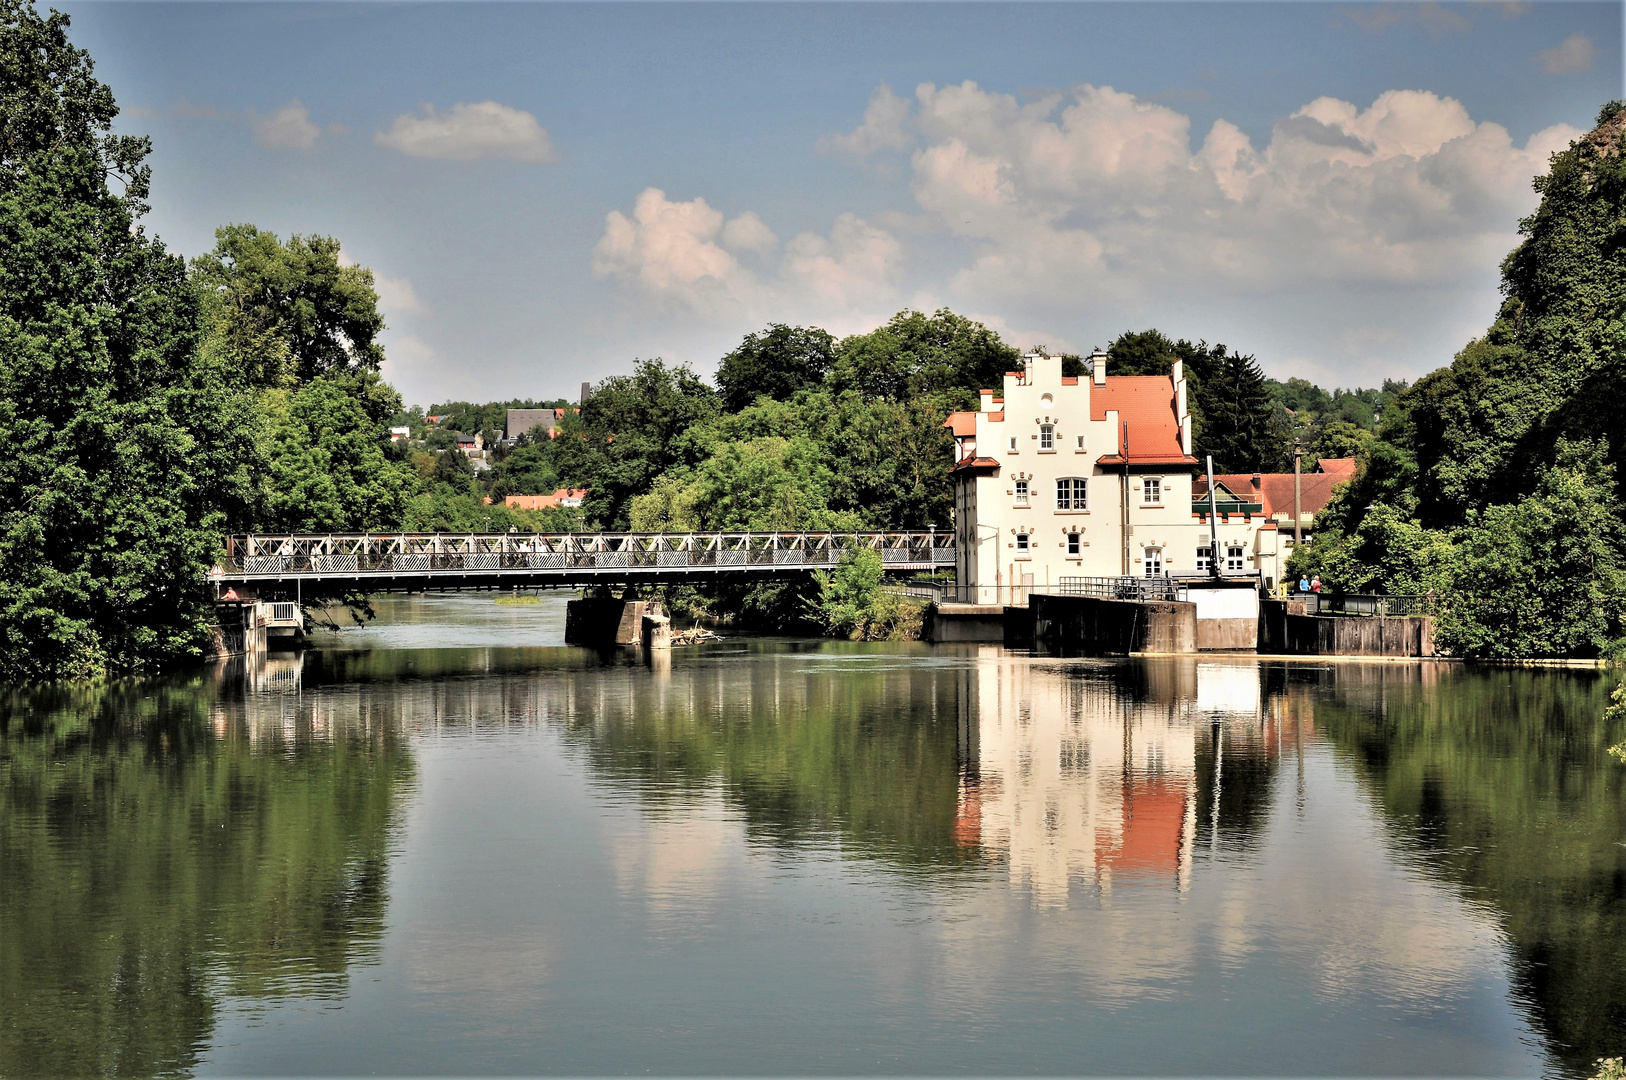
pixel 448 844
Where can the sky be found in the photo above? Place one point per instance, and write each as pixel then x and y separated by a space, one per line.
pixel 547 192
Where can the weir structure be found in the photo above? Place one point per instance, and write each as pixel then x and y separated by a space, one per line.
pixel 382 562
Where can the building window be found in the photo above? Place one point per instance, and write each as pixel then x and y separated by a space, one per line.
pixel 1047 436
pixel 1204 554
pixel 1073 543
pixel 1021 542
pixel 1071 494
pixel 1235 561
pixel 1152 561
pixel 1021 493
pixel 1151 490
pixel 1078 441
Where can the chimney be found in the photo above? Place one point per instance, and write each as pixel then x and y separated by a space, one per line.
pixel 587 390
pixel 1256 481
pixel 1098 366
pixel 986 403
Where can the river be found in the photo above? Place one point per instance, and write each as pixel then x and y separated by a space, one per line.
pixel 447 844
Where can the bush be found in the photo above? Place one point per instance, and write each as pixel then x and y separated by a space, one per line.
pixel 854 603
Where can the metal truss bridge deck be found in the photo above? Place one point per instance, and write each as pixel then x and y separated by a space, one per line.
pixel 381 562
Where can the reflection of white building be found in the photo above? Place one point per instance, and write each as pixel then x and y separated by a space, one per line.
pixel 1070 780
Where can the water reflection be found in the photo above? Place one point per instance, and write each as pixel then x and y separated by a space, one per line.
pixel 958 858
pixel 166 846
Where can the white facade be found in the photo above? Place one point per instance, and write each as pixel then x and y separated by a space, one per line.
pixel 1084 477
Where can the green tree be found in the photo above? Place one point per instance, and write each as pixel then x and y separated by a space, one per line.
pixel 122 438
pixel 325 313
pixel 328 468
pixel 628 434
pixel 915 354
pixel 1544 576
pixel 1237 415
pixel 775 363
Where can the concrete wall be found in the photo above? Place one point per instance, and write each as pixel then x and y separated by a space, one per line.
pixel 965 623
pixel 1283 632
pixel 1227 617
pixel 1091 626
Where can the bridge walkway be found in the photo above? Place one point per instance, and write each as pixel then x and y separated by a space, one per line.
pixel 381 562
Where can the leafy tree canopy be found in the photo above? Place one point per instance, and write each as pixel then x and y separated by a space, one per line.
pixel 775 363
pixel 299 293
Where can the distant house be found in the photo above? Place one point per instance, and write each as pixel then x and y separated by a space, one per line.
pixel 472 445
pixel 1269 497
pixel 521 421
pixel 400 434
pixel 567 497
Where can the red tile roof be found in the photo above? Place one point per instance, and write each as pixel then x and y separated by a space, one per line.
pixel 1147 404
pixel 975 463
pixel 1275 490
pixel 963 424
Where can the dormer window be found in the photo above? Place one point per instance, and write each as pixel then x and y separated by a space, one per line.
pixel 1047 436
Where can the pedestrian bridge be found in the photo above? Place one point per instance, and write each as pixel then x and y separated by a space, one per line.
pixel 381 562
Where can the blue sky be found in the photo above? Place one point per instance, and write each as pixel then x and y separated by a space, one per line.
pixel 547 191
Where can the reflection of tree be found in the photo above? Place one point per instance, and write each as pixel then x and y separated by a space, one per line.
pixel 158 852
pixel 853 744
pixel 1503 779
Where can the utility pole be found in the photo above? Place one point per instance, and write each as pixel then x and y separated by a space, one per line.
pixel 1298 495
pixel 1213 526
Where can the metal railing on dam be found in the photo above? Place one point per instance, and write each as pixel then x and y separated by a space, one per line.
pixel 382 561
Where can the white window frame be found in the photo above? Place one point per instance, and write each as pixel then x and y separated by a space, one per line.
pixel 1020 493
pixel 1204 554
pixel 1078 444
pixel 1151 491
pixel 1151 561
pixel 1072 495
pixel 1047 438
pixel 1013 444
pixel 1024 545
pixel 1236 558
pixel 1075 546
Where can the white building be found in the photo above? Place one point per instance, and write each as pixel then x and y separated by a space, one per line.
pixel 1086 477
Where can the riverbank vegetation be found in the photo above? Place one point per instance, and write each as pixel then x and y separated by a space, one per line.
pixel 1494 481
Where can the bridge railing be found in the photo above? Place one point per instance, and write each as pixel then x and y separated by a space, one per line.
pixel 383 554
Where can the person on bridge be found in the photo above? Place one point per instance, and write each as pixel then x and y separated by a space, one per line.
pixel 1304 583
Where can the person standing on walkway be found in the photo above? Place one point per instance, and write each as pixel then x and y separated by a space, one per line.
pixel 1315 584
pixel 1304 583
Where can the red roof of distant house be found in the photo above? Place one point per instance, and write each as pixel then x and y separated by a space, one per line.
pixel 963 424
pixel 544 502
pixel 1275 490
pixel 1147 404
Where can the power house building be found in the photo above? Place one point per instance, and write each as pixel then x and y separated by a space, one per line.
pixel 1087 477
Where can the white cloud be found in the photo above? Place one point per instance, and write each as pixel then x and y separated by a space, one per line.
pixel 1574 54
pixel 289 128
pixel 748 233
pixel 396 295
pixel 885 127
pixel 683 254
pixel 1353 237
pixel 469 133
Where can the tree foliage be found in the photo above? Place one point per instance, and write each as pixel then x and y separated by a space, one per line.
pixel 120 434
pixel 775 363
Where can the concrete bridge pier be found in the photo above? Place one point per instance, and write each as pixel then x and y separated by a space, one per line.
pixel 602 620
